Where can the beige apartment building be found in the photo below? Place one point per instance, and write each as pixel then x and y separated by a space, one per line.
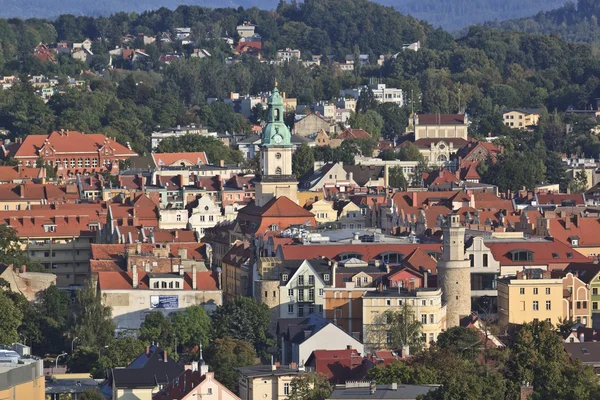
pixel 530 296
pixel 22 380
pixel 521 117
pixel 426 304
pixel 271 382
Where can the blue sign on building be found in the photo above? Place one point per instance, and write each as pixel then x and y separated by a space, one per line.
pixel 164 301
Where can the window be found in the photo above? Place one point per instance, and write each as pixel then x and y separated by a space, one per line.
pixel 286 388
pixel 163 285
pixel 300 311
pixel 176 285
pixel 311 294
pixel 155 285
pixel 548 305
pixel 584 305
pixel 594 305
pixel 522 255
pixel 388 302
pixel 536 305
pixel 432 318
pixel 388 338
pixel 535 290
pixel 579 305
pixel 170 285
pixel 301 280
pixel 423 319
pixel 278 155
pixel 431 337
pixel 423 302
pixel 311 279
pixel 472 260
pixel 485 260
pixel 547 290
pixel 178 217
pixel 311 309
pixel 290 308
pixel 284 277
pixel 6 208
pixel 277 171
pixel 290 292
pixel 321 292
pixel 209 391
pixel 522 291
pixel 326 277
pixel 595 291
pixel 211 218
pixel 301 295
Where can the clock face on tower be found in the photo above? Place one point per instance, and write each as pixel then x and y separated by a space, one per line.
pixel 278 138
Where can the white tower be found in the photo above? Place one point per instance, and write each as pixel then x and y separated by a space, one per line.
pixel 454 272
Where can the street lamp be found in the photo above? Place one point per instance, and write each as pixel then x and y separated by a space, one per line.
pixel 73 342
pixel 59 356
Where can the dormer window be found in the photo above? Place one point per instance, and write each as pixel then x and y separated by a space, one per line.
pixel 49 228
pixel 522 255
pixel 574 241
pixel 284 277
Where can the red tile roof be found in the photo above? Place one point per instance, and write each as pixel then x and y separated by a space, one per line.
pixel 338 365
pixel 543 252
pixel 11 174
pixel 69 142
pixel 176 159
pixel 439 177
pixel 115 251
pixel 350 133
pixel 558 198
pixel 441 119
pixel 585 229
pixel 367 251
pixel 120 280
pixel 419 260
pixel 37 192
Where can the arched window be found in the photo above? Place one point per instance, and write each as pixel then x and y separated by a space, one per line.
pixel 94 162
pixel 72 163
pixel 79 162
pixel 278 171
pixel 442 157
pixel 277 114
pixel 392 258
pixel 87 162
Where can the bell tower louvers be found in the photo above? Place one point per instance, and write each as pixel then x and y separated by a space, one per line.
pixel 276 178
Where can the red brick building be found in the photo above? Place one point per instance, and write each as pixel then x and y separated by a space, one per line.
pixel 73 152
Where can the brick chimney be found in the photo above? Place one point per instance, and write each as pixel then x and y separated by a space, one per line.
pixel 165 358
pixel 568 223
pixel 147 350
pixel 22 190
pixel 134 277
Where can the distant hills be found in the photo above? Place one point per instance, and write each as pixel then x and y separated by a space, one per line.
pixel 574 23
pixel 450 14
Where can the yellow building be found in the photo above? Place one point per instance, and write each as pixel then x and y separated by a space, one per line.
pixel 270 382
pixel 529 296
pixel 22 381
pixel 323 211
pixel 426 304
pixel 521 117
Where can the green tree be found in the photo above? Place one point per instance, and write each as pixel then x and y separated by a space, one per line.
pixel 303 160
pixel 92 321
pixel 395 120
pixel 10 319
pixel 227 354
pixel 404 329
pixel 460 340
pixel 387 155
pixel 192 326
pixel 395 372
pixel 370 121
pixel 409 152
pixel 120 353
pixel 158 329
pixel 397 178
pixel 310 386
pixel 579 182
pixel 366 100
pixel 91 394
pixel 245 319
pixel 11 252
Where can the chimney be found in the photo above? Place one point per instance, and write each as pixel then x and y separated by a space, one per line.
pixel 147 350
pixel 414 199
pixel 22 190
pixel 165 358
pixel 582 337
pixel 405 351
pixel 293 365
pixel 194 277
pixel 372 387
pixel 568 223
pixel 425 277
pixel 394 386
pixel 348 347
pixel 135 277
pixel 222 163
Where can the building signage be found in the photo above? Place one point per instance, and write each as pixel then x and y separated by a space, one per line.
pixel 164 301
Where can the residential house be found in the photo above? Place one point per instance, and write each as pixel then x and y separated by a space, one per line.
pixel 322 138
pixel 532 294
pixel 521 118
pixel 82 54
pixel 29 284
pixel 21 174
pixel 425 304
pixel 246 30
pixel 59 237
pixel 145 376
pixel 299 337
pixel 267 381
pixel 179 131
pixel 576 293
pixel 312 123
pixel 439 136
pixel 382 93
pixel 589 274
pixel 576 231
pixel 586 353
pixel 179 159
pixel 195 382
pixel 204 214
pixel 323 211
pixel 338 366
pixel 286 55
pixel 237 270
pixel 370 390
pixel 329 175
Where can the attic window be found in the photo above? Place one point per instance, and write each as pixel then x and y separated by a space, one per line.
pixel 569 255
pixel 284 277
pixel 585 351
pixel 522 255
pixel 554 255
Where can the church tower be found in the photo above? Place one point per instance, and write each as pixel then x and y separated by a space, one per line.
pixel 276 178
pixel 454 272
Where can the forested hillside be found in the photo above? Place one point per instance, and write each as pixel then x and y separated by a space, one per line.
pixel 572 22
pixel 483 72
pixel 451 15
